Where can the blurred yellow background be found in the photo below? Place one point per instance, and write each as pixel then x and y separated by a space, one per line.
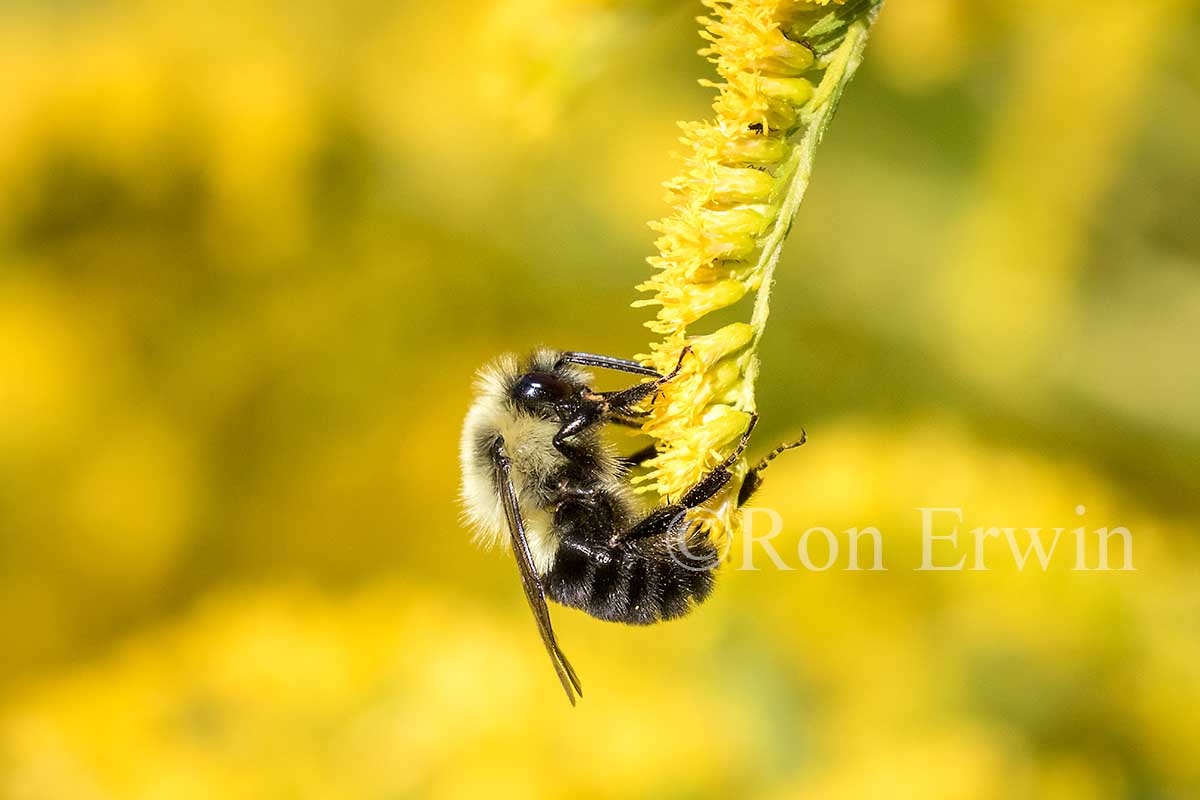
pixel 252 252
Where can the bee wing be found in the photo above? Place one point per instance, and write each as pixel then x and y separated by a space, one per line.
pixel 529 578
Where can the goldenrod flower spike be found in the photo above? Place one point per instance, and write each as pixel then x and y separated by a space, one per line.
pixel 783 65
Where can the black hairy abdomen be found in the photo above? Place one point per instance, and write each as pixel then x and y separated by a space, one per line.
pixel 638 582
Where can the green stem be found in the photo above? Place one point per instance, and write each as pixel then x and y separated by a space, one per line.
pixel 797 170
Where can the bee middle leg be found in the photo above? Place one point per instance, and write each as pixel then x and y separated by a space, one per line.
pixel 639 457
pixel 667 518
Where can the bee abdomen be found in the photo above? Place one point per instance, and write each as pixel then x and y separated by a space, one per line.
pixel 638 582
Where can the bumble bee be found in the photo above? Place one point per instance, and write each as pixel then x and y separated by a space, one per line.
pixel 537 476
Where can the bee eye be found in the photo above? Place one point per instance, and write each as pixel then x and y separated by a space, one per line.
pixel 537 388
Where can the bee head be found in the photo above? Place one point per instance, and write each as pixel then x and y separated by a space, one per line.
pixel 543 393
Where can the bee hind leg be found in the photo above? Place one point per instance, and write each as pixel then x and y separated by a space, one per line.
pixel 754 476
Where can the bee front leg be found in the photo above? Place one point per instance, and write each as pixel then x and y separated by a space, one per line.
pixel 617 407
pixel 583 416
pixel 623 401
